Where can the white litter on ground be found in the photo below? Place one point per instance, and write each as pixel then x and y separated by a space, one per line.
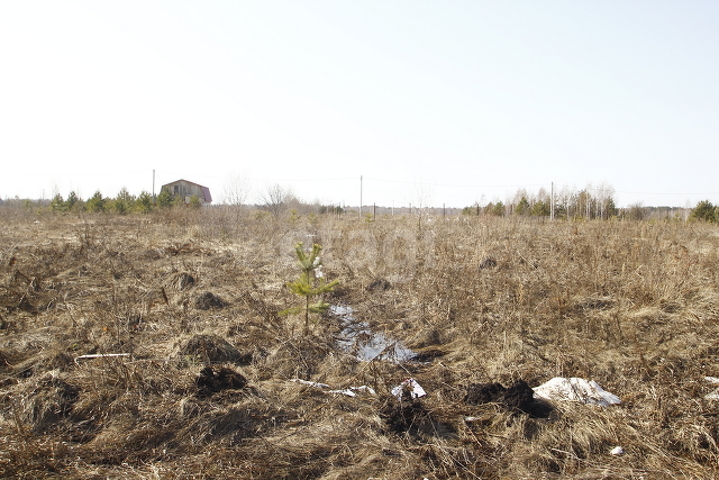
pixel 100 355
pixel 617 451
pixel 353 391
pixel 350 391
pixel 310 384
pixel 576 389
pixel 411 385
pixel 715 394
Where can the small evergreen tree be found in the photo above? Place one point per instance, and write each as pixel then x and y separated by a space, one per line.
pixel 473 210
pixel 57 204
pixel 143 204
pixel 704 210
pixel 178 201
pixel 310 284
pixel 523 207
pixel 123 202
pixel 72 202
pixel 195 202
pixel 611 208
pixel 164 199
pixel 96 203
pixel 541 208
pixel 498 209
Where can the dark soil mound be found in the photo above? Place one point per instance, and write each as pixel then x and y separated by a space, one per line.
pixel 379 284
pixel 403 417
pixel 209 382
pixel 413 418
pixel 208 300
pixel 517 396
pixel 213 349
pixel 488 262
pixel 479 393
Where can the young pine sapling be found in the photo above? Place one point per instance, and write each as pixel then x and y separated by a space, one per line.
pixel 310 285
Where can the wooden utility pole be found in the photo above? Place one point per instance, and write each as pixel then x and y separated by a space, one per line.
pixel 360 209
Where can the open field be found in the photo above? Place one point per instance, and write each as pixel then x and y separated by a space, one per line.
pixel 632 305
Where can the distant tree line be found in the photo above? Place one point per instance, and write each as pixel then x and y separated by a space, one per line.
pixel 122 204
pixel 588 203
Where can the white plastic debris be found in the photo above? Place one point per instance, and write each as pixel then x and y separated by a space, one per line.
pixel 617 451
pixel 576 389
pixel 415 389
pixel 310 384
pixel 346 391
pixel 100 355
pixel 715 394
pixel 352 391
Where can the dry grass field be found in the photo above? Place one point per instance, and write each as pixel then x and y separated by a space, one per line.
pixel 203 388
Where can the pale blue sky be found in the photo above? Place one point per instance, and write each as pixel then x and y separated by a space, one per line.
pixel 458 101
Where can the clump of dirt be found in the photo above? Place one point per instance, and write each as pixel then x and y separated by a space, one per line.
pixel 209 382
pixel 213 349
pixel 519 396
pixel 208 300
pixel 379 284
pixel 182 281
pixel 488 262
pixel 413 418
pixel 403 417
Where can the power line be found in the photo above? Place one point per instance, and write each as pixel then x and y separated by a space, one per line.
pixel 465 185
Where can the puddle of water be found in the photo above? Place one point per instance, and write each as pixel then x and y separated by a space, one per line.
pixel 357 337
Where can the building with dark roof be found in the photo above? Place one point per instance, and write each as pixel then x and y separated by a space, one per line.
pixel 186 190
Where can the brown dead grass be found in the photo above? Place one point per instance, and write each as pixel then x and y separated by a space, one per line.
pixel 633 306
